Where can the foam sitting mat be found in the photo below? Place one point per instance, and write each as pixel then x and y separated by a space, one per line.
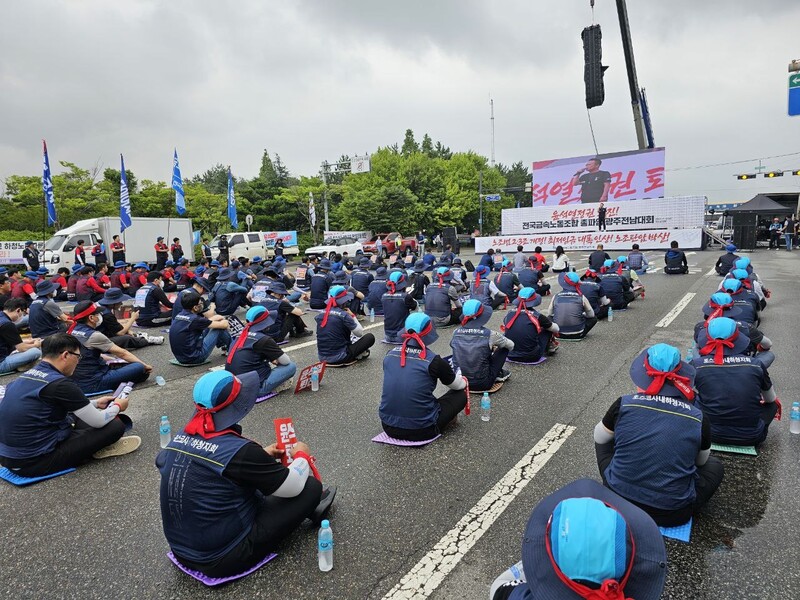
pixel 519 362
pixel 174 361
pixel 750 450
pixel 215 581
pixel 266 397
pixel 7 373
pixel 103 393
pixel 21 481
pixel 682 533
pixel 383 438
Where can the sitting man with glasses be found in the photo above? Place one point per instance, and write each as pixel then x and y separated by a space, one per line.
pixel 50 425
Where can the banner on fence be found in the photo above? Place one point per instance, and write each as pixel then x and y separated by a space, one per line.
pixel 611 240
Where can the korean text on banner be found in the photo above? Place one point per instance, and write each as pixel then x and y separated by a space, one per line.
pixel 619 176
pixel 289 238
pixel 11 253
pixel 653 239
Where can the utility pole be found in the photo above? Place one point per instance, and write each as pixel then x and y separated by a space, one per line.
pixel 630 65
pixel 480 195
pixel 491 108
pixel 325 192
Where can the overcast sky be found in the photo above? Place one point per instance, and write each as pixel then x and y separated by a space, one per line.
pixel 310 80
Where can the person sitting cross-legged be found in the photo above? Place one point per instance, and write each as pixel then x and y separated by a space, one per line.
pixel 571 310
pixel 408 408
pixel 254 350
pixel 654 447
pixel 48 425
pixel 148 301
pixel 192 336
pixel 118 331
pixel 16 353
pixel 478 351
pixel 335 326
pixel 397 305
pixel 93 374
pixel 45 316
pixel 226 501
pixel 531 331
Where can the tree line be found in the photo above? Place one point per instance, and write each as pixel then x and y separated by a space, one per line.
pixel 410 187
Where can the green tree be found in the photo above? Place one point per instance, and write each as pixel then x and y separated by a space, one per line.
pixel 214 180
pixel 427 146
pixel 410 145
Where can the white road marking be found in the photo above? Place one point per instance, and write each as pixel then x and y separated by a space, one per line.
pixel 423 579
pixel 670 316
pixel 711 271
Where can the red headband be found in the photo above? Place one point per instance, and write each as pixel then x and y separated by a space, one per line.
pixel 660 378
pixel 81 315
pixel 466 319
pixel 202 423
pixel 417 337
pixel 718 309
pixel 522 307
pixel 330 304
pixel 718 346
pixel 576 285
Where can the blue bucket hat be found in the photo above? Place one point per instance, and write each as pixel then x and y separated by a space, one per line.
pixel 457 261
pixel 215 263
pixel 722 329
pixel 214 389
pixel 420 324
pixel 588 535
pixel 31 275
pixel 569 281
pixel 721 305
pixel 731 248
pixel 622 259
pixel 742 263
pixel 419 266
pixel 203 283
pixel 169 263
pixel 481 270
pixel 340 294
pixel 256 260
pixel 364 263
pixel 277 287
pixel 29 243
pixel 141 265
pixel 475 313
pixel 226 273
pixel 235 264
pixel 380 272
pixel 43 270
pixel 76 268
pixel 529 296
pixel 341 277
pixel 740 274
pixel 731 285
pixel 663 359
pixel 256 319
pixel 324 265
pixel 199 270
pixel 43 288
pixel 120 264
pixel 608 263
pixel 397 281
pixel 113 296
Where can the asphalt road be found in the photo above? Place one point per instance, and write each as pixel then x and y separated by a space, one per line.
pixel 96 533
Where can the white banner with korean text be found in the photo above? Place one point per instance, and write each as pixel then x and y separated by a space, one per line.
pixel 611 240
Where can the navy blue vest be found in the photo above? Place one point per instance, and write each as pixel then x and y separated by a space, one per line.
pixel 226 301
pixel 375 296
pixel 481 292
pixel 271 303
pixel 611 287
pixel 747 302
pixel 333 339
pixel 407 400
pixel 395 313
pixel 4 350
pixel 729 396
pixel 528 277
pixel 41 322
pixel 147 303
pixel 186 344
pixel 471 352
pixel 505 283
pixel 245 359
pixel 91 368
pixel 656 441
pixel 361 280
pixel 437 300
pixel 526 338
pixel 204 514
pixel 29 426
pixel 591 290
pixel 568 312
pixel 177 305
pixel 320 284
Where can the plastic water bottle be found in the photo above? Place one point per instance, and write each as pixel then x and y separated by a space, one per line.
pixel 165 431
pixel 160 381
pixel 610 314
pixel 486 407
pixel 794 418
pixel 371 315
pixel 325 546
pixel 690 354
pixel 315 382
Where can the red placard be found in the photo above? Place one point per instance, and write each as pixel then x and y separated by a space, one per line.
pixel 304 380
pixel 286 438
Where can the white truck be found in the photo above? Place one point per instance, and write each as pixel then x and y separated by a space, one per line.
pixel 139 239
pixel 256 243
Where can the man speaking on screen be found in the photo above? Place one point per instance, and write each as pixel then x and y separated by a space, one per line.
pixel 594 183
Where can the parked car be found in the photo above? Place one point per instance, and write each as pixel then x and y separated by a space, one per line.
pixel 388 244
pixel 330 248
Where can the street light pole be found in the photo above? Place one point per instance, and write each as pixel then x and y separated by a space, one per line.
pixel 325 192
pixel 480 195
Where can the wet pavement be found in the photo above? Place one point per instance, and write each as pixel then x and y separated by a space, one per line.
pixel 96 533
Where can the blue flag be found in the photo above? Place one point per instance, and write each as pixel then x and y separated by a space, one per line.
pixel 196 235
pixel 232 203
pixel 47 186
pixel 124 198
pixel 177 185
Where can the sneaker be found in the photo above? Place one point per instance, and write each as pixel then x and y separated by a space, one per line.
pixel 122 446
pixel 286 385
pixel 304 333
pixel 155 340
pixel 552 348
pixel 363 355
pixel 143 335
pixel 324 506
pixel 504 374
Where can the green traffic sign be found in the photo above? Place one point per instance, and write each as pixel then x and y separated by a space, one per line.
pixel 794 80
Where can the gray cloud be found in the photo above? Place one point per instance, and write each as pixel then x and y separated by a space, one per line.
pixel 311 80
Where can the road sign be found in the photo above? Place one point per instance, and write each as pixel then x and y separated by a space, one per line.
pixel 794 94
pixel 492 197
pixel 249 219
